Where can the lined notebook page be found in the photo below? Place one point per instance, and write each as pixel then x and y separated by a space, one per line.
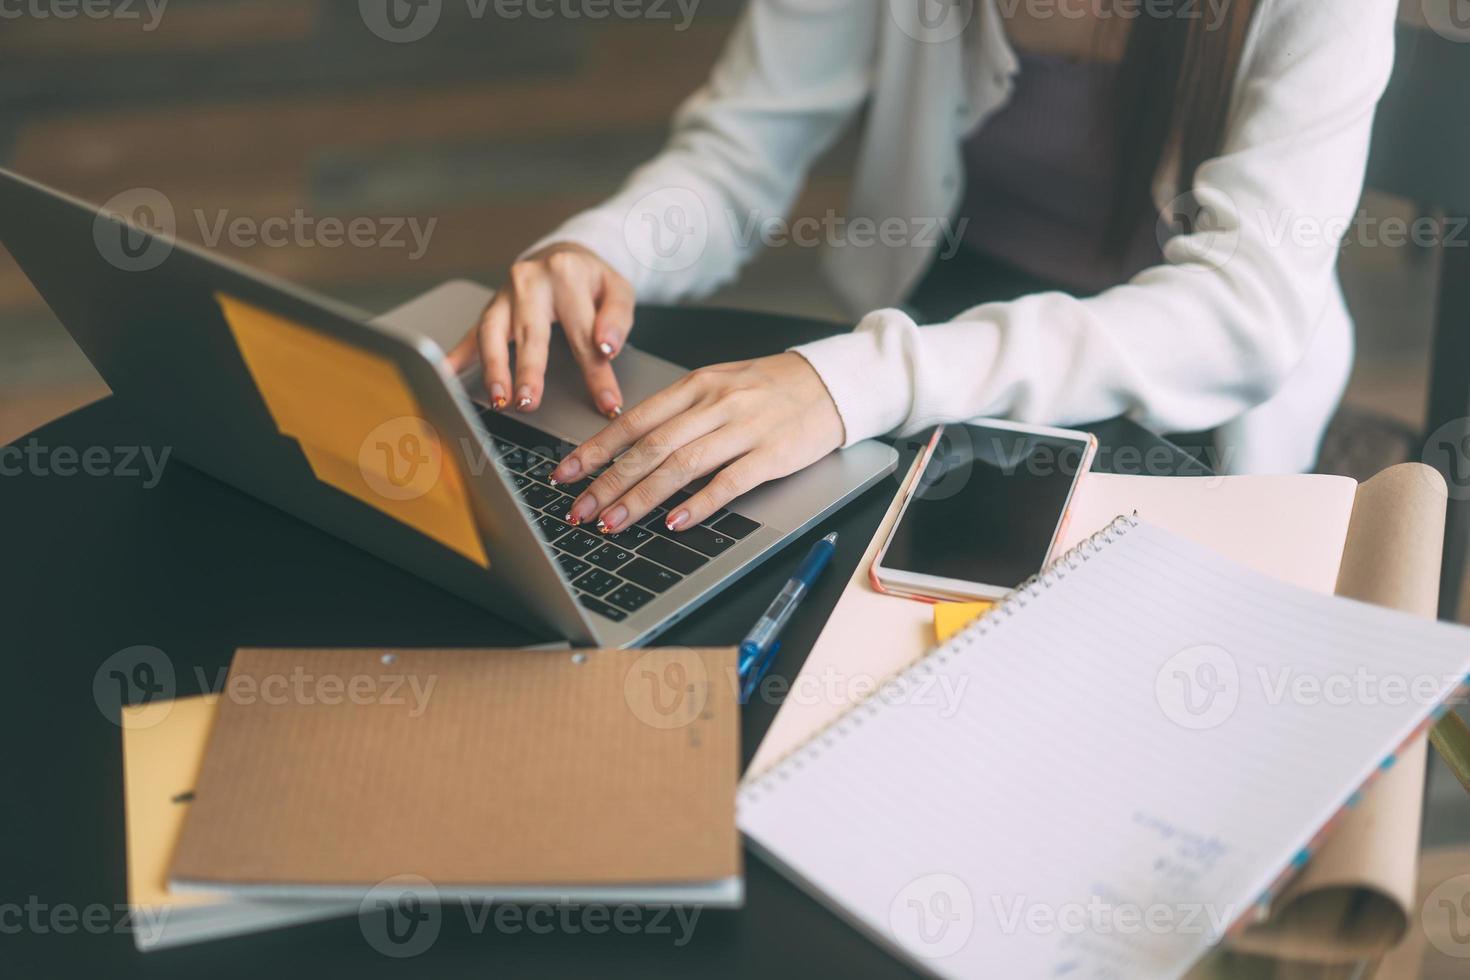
pixel 1100 778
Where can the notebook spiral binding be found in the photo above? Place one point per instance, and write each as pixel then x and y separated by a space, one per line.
pixel 898 686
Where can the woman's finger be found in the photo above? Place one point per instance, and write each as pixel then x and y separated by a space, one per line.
pixel 614 315
pixel 530 326
pixel 493 343
pixel 740 477
pixel 646 456
pixel 575 310
pixel 689 462
pixel 631 426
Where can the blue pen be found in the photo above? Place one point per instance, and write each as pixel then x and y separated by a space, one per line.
pixel 762 667
pixel 757 649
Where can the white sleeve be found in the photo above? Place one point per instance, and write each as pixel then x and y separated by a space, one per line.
pixel 1216 329
pixel 791 76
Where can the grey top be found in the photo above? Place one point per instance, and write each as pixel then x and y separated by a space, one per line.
pixel 1041 174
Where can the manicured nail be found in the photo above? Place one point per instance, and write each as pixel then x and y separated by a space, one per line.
pixel 608 402
pixel 584 508
pixel 497 397
pixel 569 470
pixel 613 519
pixel 677 520
pixel 523 398
pixel 606 348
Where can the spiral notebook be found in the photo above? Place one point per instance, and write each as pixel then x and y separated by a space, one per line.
pixel 1216 723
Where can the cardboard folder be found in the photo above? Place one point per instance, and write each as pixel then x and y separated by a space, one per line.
pixel 506 774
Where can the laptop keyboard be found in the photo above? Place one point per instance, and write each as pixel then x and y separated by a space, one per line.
pixel 613 574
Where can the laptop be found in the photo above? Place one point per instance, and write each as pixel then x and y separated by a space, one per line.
pixel 147 312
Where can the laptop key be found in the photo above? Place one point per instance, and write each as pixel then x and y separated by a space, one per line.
pixel 704 541
pixel 537 495
pixel 551 528
pixel 649 575
pixel 578 542
pixel 596 582
pixel 575 489
pixel 561 506
pixel 735 526
pixel 603 609
pixel 519 459
pixel 541 470
pixel 609 557
pixel 629 597
pixel 572 565
pixel 655 518
pixel 675 556
pixel 630 537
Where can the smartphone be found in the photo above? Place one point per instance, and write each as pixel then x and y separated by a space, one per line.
pixel 986 507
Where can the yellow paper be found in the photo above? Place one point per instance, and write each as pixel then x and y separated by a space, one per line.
pixel 161 759
pixel 358 424
pixel 951 617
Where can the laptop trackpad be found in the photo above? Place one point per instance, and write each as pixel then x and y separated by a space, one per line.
pixel 567 410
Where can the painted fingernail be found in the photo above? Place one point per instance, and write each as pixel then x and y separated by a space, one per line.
pixel 497 397
pixel 677 520
pixel 606 348
pixel 613 519
pixel 608 402
pixel 523 398
pixel 569 470
pixel 584 508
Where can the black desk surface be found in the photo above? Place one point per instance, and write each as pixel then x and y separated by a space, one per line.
pixel 93 565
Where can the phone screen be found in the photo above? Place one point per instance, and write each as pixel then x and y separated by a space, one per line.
pixel 986 506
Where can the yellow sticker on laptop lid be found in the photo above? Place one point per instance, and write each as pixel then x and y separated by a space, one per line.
pixel 358 424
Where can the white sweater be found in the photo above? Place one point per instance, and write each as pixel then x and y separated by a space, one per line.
pixel 1243 327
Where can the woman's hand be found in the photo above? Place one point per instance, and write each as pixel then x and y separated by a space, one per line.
pixel 752 421
pixel 561 283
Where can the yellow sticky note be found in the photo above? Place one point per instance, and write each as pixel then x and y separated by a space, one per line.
pixel 358 424
pixel 162 755
pixel 951 617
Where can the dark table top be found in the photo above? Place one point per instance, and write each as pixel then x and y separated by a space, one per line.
pixel 96 564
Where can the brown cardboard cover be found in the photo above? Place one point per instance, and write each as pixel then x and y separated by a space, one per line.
pixel 1355 900
pixel 471 768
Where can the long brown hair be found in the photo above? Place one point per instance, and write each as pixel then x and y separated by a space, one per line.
pixel 1173 93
